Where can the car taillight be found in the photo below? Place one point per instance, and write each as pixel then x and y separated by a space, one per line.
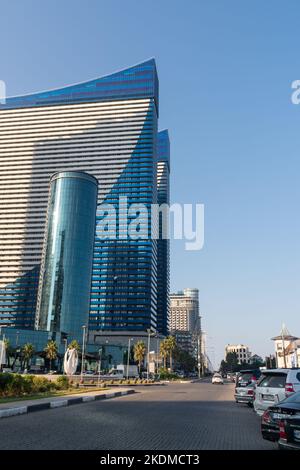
pixel 266 418
pixel 289 388
pixel 282 433
pixel 250 391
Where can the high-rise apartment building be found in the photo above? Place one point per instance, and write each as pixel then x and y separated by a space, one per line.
pixel 185 319
pixel 163 244
pixel 106 127
pixel 184 312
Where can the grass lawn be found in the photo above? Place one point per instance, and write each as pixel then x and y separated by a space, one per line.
pixel 59 393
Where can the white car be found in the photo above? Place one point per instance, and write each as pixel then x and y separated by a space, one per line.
pixel 217 379
pixel 274 386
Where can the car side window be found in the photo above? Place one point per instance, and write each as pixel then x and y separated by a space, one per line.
pixel 298 376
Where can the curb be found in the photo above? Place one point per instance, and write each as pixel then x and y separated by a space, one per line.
pixel 8 412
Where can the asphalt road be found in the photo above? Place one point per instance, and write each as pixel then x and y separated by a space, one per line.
pixel 171 417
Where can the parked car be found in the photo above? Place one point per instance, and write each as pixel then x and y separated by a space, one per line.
pixel 270 421
pixel 245 394
pixel 247 376
pixel 289 433
pixel 217 379
pixel 274 386
pixel 89 372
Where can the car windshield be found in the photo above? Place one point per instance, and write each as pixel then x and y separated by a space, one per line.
pixel 245 377
pixel 272 381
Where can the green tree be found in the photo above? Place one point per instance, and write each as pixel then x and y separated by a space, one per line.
pixel 51 352
pixel 184 360
pixel 223 367
pixel 171 346
pixel 74 345
pixel 164 351
pixel 139 353
pixel 232 362
pixel 9 351
pixel 27 352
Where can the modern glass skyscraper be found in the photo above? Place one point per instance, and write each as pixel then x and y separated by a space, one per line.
pixel 66 268
pixel 106 127
pixel 163 245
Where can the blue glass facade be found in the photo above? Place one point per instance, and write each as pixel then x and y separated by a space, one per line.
pixel 66 268
pixel 18 301
pixel 124 282
pixel 163 245
pixel 139 81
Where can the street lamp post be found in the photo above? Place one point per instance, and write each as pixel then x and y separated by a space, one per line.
pixel 128 354
pixel 17 344
pixel 83 350
pixel 157 352
pixel 148 355
pixel 99 370
pixel 2 351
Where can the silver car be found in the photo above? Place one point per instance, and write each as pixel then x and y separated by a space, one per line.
pixel 274 386
pixel 245 394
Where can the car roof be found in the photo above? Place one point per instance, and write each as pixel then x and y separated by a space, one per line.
pixel 277 371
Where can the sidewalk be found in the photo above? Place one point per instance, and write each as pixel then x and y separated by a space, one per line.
pixel 28 406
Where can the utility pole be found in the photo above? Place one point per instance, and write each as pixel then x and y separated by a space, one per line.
pixel 128 357
pixel 283 348
pixel 83 351
pixel 148 355
pixel 200 349
pixel 99 365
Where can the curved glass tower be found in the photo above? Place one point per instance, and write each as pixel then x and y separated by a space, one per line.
pixel 106 127
pixel 66 269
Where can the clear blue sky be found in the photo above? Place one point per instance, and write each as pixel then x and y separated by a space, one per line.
pixel 225 70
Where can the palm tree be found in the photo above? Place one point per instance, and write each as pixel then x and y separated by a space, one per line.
pixel 171 346
pixel 164 351
pixel 28 351
pixel 51 351
pixel 139 353
pixel 9 350
pixel 74 345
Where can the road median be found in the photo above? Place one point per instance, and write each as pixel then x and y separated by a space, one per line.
pixel 8 410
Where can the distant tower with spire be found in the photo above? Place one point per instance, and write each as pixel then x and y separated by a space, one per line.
pixel 287 349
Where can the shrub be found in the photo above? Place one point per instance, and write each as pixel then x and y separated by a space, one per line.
pixel 5 381
pixel 41 385
pixel 17 385
pixel 62 382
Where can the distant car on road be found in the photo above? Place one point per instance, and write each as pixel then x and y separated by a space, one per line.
pixel 271 418
pixel 274 386
pixel 217 379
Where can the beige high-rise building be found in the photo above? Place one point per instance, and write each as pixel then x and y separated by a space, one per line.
pixel 184 311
